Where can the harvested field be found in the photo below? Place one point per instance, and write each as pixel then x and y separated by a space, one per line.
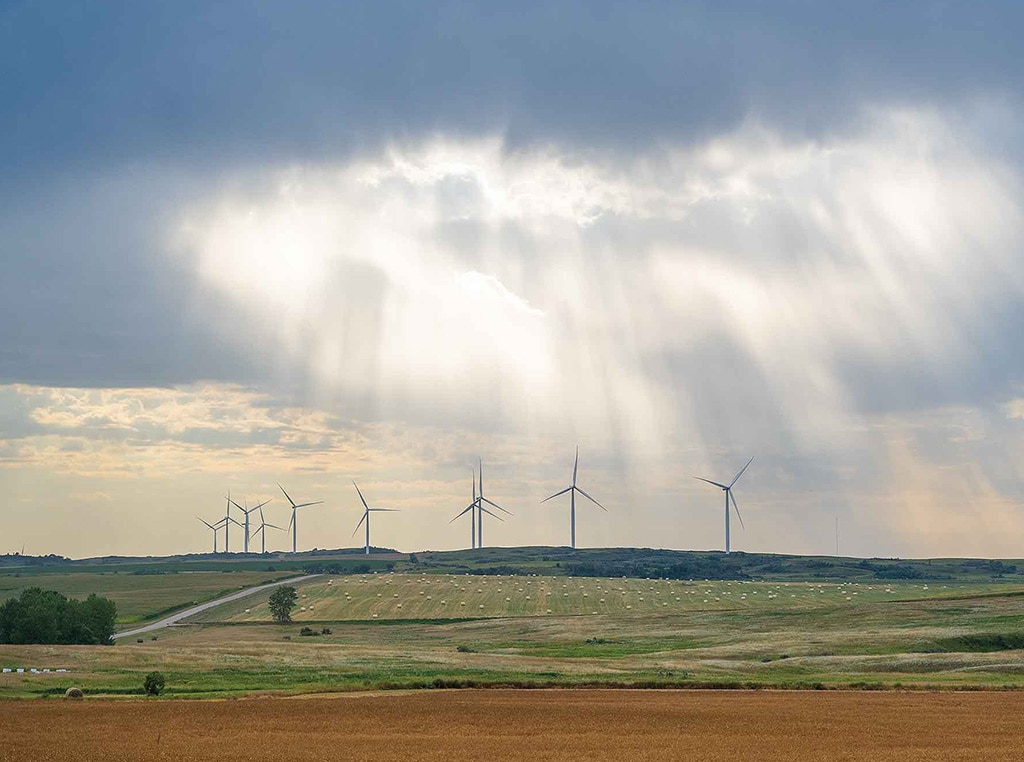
pixel 525 725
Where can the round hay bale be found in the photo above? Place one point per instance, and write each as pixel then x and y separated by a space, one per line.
pixel 73 693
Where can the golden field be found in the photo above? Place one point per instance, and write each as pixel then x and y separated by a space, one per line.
pixel 524 725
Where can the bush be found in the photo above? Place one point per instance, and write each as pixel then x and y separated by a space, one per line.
pixel 153 684
pixel 308 632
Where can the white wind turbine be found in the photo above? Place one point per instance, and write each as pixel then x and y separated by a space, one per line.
pixel 245 512
pixel 572 489
pixel 227 521
pixel 366 516
pixel 215 528
pixel 262 529
pixel 476 529
pixel 293 523
pixel 727 489
pixel 480 500
pixel 471 510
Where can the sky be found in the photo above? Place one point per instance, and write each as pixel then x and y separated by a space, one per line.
pixel 246 244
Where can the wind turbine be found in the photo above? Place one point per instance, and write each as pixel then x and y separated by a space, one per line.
pixel 572 489
pixel 262 528
pixel 481 510
pixel 245 512
pixel 727 489
pixel 292 523
pixel 215 528
pixel 366 517
pixel 227 520
pixel 471 510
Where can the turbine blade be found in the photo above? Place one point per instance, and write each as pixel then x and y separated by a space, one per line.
pixel 361 520
pixel 291 520
pixel 741 472
pixel 235 504
pixel 495 505
pixel 306 505
pixel 272 526
pixel 208 524
pixel 386 510
pixel 701 478
pixel 588 497
pixel 363 499
pixel 269 500
pixel 576 464
pixel 737 507
pixel 262 520
pixel 481 461
pixel 499 518
pixel 287 495
pixel 557 494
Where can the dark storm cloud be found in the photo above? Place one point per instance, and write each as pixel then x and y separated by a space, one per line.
pixel 99 83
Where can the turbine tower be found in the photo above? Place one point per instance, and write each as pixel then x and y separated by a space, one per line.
pixel 215 528
pixel 245 512
pixel 366 516
pixel 727 489
pixel 572 489
pixel 262 529
pixel 293 523
pixel 227 521
pixel 480 500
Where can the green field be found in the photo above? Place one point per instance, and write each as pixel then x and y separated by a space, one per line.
pixel 428 627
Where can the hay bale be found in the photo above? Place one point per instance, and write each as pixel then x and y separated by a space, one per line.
pixel 73 693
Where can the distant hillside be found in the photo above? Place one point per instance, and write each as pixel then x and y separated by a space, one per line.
pixel 589 562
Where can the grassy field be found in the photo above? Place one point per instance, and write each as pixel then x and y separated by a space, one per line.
pixel 139 597
pixel 954 624
pixel 444 596
pixel 526 725
pixel 780 635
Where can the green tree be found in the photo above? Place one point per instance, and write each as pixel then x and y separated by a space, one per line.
pixel 153 684
pixel 282 601
pixel 47 617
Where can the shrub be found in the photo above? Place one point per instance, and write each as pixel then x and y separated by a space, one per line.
pixel 153 684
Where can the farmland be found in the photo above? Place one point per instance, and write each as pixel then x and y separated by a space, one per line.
pixel 526 725
pixel 423 625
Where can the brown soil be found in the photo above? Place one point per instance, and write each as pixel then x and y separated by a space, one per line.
pixel 525 725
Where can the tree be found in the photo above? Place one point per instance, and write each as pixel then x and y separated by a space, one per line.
pixel 49 618
pixel 153 684
pixel 282 601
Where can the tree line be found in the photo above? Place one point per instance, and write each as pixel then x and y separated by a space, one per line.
pixel 49 618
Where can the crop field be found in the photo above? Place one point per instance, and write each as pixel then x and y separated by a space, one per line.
pixel 526 725
pixel 445 596
pixel 140 597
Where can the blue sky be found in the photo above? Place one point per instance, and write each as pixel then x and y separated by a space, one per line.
pixel 245 243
